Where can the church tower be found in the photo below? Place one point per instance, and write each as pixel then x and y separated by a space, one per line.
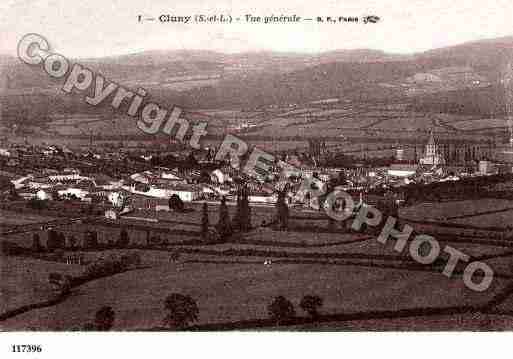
pixel 432 154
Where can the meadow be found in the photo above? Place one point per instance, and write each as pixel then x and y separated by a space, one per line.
pixel 236 280
pixel 233 292
pixel 468 211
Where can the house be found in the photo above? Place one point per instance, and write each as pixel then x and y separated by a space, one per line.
pixel 262 197
pixel 43 195
pixel 187 193
pixel 170 175
pixel 141 178
pixel 111 214
pixel 402 170
pixel 74 192
pixel 218 176
pixel 5 152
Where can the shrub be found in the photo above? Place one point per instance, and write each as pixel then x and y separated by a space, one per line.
pixel 104 318
pixel 311 304
pixel 281 310
pixel 155 240
pixel 182 310
pixel 174 255
pixel 54 278
pixel 176 203
pixel 104 267
pixel 62 283
pixel 132 259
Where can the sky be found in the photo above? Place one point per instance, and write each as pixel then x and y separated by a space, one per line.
pixel 97 28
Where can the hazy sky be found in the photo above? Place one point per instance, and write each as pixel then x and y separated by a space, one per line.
pixel 92 28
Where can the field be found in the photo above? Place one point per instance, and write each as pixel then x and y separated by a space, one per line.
pixel 234 281
pixel 502 219
pixel 483 212
pixel 233 292
pixel 474 125
pixel 25 281
pixel 363 276
pixel 9 218
pixel 274 128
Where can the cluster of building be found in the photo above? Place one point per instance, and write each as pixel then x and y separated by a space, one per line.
pixel 443 162
pixel 53 172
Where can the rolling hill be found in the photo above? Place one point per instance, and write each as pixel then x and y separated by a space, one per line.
pixel 206 79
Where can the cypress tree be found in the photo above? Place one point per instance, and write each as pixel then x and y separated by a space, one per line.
pixel 282 211
pixel 36 243
pixel 224 226
pixel 52 242
pixel 90 240
pixel 237 218
pixel 62 240
pixel 148 238
pixel 204 221
pixel 331 224
pixel 245 211
pixel 242 218
pixel 123 239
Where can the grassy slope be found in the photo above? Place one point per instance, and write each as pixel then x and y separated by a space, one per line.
pixel 229 292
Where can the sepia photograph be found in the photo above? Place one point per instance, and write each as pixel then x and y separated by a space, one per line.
pixel 284 167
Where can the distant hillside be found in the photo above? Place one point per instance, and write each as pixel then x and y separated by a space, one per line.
pixel 486 56
pixel 207 79
pixel 166 68
pixel 489 101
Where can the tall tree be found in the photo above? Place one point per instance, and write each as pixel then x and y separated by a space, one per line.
pixel 331 224
pixel 237 220
pixel 204 221
pixel 123 239
pixel 148 238
pixel 90 240
pixel 72 242
pixel 62 240
pixel 282 210
pixel 224 226
pixel 242 219
pixel 36 243
pixel 245 210
pixel 53 241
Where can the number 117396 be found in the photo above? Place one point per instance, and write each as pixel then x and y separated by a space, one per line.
pixel 26 348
